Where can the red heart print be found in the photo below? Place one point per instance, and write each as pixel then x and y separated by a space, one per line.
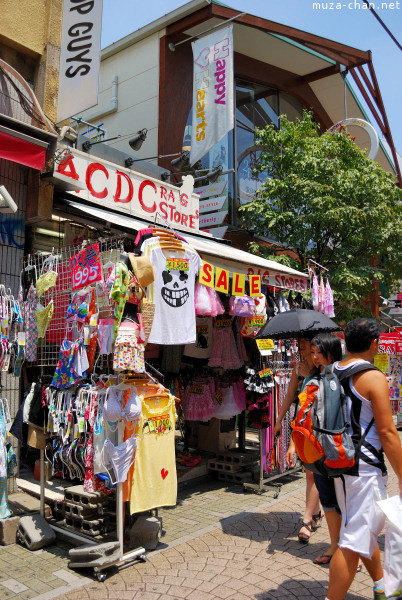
pixel 164 473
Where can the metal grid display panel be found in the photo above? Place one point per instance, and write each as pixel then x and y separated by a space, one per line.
pixel 62 293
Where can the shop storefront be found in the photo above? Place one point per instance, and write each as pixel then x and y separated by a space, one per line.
pixel 148 309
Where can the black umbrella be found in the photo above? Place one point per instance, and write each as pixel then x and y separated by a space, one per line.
pixel 295 323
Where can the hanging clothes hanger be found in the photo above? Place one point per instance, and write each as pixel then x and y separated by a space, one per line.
pixel 109 263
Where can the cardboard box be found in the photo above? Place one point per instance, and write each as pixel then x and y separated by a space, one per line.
pixel 36 437
pixel 216 435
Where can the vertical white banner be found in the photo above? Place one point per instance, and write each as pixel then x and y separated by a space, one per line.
pixel 79 57
pixel 213 114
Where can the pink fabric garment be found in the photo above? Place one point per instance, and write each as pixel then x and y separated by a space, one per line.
pixel 198 406
pixel 142 232
pixel 315 293
pixel 329 301
pixel 321 296
pixel 207 301
pixel 239 394
pixel 224 351
pixel 218 308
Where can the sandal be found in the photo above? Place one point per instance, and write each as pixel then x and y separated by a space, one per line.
pixel 303 537
pixel 326 561
pixel 316 522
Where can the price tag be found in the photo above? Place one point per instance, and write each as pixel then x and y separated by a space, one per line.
pixel 21 338
pixel 255 321
pixel 265 373
pixel 196 388
pixel 219 397
pixel 223 323
pixel 202 329
pixel 86 267
pixel 177 264
pixel 265 344
pixel 159 424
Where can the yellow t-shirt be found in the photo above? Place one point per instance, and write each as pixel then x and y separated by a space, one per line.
pixel 155 478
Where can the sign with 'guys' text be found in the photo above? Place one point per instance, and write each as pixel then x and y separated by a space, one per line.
pixel 119 189
pixel 79 57
pixel 213 114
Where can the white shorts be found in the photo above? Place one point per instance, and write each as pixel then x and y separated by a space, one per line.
pixel 362 519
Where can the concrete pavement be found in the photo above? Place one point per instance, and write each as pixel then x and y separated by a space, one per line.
pixel 219 542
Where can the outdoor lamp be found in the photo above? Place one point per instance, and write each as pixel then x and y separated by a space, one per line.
pixel 213 175
pixel 181 161
pixel 136 142
pixel 165 175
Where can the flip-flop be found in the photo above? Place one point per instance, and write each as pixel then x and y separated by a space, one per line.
pixel 316 561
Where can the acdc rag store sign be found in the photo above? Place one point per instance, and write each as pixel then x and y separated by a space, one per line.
pixel 130 193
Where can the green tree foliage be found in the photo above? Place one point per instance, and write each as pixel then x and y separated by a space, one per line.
pixel 325 200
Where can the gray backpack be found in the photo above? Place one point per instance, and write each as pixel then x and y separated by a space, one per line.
pixel 321 427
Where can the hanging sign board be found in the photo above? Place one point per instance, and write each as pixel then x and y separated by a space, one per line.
pixel 217 232
pixel 213 114
pixel 354 122
pixel 213 218
pixel 210 274
pixel 79 57
pixel 213 189
pixel 128 192
pixel 212 204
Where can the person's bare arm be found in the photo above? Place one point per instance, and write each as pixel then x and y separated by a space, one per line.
pixel 373 385
pixel 287 401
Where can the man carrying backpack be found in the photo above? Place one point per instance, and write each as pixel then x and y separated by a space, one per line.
pixel 358 493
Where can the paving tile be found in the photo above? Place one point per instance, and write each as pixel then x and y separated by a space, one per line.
pixel 14 586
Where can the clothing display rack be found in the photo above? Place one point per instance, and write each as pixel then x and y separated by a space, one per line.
pixel 281 372
pixel 48 354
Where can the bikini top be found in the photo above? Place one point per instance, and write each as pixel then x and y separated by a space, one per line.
pixel 45 282
pixel 77 312
pixel 113 410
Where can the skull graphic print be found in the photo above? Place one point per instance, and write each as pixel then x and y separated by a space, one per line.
pixel 173 295
pixel 175 291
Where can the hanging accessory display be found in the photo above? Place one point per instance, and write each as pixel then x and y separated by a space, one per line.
pixel 242 306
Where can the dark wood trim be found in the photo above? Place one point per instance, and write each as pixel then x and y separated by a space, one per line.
pixel 352 54
pixel 368 100
pixel 321 74
pixel 162 92
pixel 334 50
pixel 366 80
pixel 388 133
pixel 190 21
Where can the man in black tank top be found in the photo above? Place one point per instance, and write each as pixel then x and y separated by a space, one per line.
pixel 362 519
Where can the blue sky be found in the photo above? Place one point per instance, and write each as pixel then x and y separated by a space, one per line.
pixel 347 22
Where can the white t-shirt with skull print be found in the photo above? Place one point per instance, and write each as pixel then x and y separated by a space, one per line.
pixel 173 295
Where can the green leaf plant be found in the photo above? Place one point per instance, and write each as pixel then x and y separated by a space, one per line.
pixel 325 200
